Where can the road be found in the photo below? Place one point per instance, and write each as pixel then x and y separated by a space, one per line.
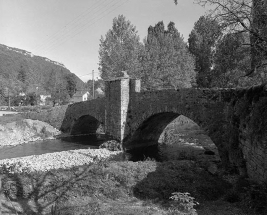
pixel 2 112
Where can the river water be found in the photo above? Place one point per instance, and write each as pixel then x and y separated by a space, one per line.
pixel 93 142
pixel 56 145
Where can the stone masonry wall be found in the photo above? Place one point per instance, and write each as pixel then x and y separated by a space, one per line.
pixel 247 116
pixel 201 105
pixel 118 94
pixel 125 97
pixel 94 108
pixel 113 108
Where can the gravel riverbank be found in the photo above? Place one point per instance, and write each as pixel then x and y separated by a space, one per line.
pixel 27 130
pixel 57 160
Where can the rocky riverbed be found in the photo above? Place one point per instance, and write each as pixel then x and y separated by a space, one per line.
pixel 28 130
pixel 57 160
pixel 25 130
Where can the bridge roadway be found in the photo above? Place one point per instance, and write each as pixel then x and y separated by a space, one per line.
pixel 235 119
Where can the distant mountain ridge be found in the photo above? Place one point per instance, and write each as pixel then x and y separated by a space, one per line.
pixel 20 70
pixel 32 55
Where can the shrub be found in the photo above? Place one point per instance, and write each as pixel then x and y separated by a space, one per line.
pixel 185 204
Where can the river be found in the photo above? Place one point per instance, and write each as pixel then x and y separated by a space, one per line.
pixel 55 145
pixel 192 148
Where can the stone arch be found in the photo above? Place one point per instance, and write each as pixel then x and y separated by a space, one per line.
pixel 147 139
pixel 148 130
pixel 81 111
pixel 85 124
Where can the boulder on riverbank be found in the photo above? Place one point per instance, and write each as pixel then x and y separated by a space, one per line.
pixel 111 145
pixel 26 130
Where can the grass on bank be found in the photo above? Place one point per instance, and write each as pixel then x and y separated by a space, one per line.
pixel 115 188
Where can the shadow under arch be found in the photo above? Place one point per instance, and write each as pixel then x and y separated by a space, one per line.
pixel 150 130
pixel 173 128
pixel 85 124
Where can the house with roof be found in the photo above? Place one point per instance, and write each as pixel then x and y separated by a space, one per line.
pixel 80 96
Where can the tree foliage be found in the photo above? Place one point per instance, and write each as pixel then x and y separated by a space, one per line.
pixel 32 99
pixel 119 49
pixel 60 95
pixel 202 41
pixel 71 84
pixel 22 75
pixel 61 90
pixel 99 86
pixel 51 81
pixel 231 60
pixel 166 61
pixel 244 16
pixel 22 72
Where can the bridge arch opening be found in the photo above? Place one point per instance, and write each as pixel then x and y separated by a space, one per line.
pixel 171 136
pixel 150 130
pixel 86 124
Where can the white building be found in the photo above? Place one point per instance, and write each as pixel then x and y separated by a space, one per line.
pixel 80 96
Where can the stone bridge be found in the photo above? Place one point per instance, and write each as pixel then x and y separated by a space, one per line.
pixel 235 119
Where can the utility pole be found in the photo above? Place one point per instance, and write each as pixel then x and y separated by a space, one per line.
pixel 93 84
pixel 8 99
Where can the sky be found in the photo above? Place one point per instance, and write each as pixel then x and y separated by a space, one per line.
pixel 69 31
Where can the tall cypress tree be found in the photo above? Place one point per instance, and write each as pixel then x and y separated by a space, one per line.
pixel 202 40
pixel 166 61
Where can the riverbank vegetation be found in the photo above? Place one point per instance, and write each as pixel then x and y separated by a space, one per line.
pixel 125 187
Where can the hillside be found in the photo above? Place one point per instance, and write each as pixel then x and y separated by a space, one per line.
pixel 20 70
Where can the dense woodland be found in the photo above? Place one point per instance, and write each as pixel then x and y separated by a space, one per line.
pixel 22 72
pixel 226 48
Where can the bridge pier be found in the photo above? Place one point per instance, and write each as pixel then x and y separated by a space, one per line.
pixel 118 97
